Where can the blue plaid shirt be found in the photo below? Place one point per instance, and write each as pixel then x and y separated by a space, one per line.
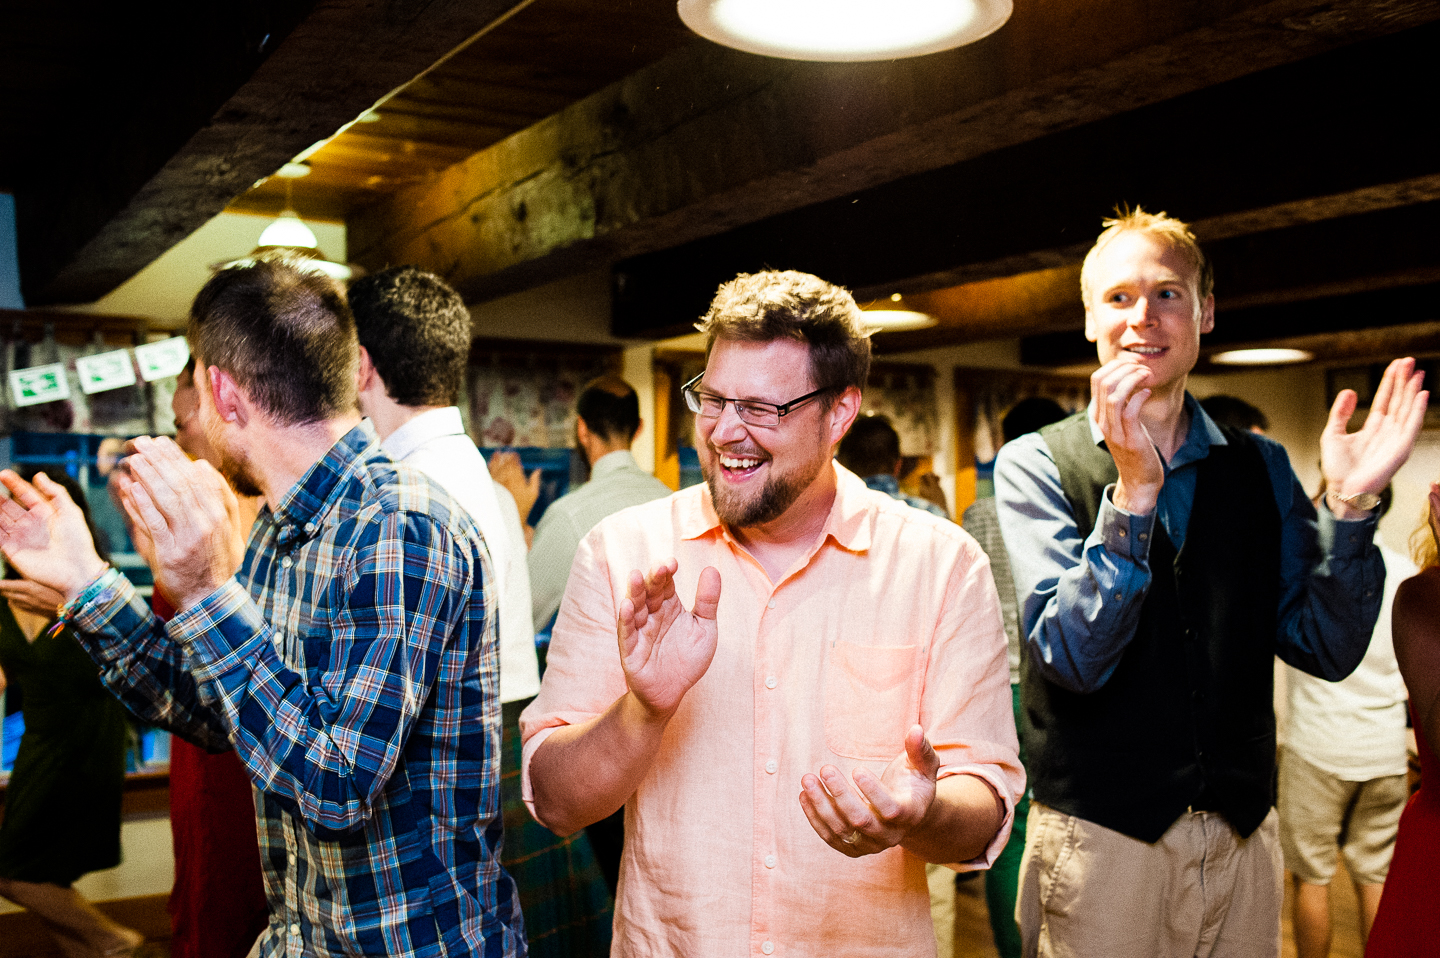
pixel 352 663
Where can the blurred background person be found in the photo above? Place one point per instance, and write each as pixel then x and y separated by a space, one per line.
pixel 1342 773
pixel 415 334
pixel 62 806
pixel 607 420
pixel 1407 923
pixel 871 450
pixel 1002 881
pixel 1236 413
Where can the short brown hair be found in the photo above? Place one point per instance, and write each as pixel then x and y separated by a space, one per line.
pixel 417 331
pixel 761 307
pixel 284 333
pixel 1168 230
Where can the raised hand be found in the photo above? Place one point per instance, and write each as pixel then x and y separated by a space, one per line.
pixel 506 469
pixel 1120 388
pixel 877 813
pixel 1366 460
pixel 665 649
pixel 43 532
pixel 189 513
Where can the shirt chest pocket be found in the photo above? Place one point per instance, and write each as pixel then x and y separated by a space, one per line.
pixel 872 697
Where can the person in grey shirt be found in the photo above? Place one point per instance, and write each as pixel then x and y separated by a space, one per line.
pixel 606 423
pixel 1160 562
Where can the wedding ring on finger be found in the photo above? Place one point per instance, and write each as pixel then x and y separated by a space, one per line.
pixel 852 838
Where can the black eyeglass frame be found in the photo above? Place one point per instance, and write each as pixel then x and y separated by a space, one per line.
pixel 694 403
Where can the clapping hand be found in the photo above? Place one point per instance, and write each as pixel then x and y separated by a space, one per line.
pixel 1366 460
pixel 190 515
pixel 665 649
pixel 43 532
pixel 877 812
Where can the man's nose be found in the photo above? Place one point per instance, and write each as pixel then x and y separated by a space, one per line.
pixel 1140 315
pixel 728 426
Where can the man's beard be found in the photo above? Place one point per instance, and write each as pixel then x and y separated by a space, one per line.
pixel 738 512
pixel 235 470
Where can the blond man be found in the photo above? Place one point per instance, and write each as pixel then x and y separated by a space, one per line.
pixel 1161 561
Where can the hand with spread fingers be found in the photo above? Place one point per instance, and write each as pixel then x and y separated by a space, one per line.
pixel 665 649
pixel 44 534
pixel 30 596
pixel 190 514
pixel 875 813
pixel 1366 460
pixel 1120 388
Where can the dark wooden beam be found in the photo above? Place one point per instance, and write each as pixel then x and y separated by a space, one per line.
pixel 1328 126
pixel 220 108
pixel 710 140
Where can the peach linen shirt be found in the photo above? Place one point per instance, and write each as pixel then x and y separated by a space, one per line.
pixel 893 619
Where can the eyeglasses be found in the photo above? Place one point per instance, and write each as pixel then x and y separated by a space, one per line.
pixel 750 411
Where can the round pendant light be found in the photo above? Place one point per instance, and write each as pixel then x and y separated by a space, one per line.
pixel 844 30
pixel 1261 357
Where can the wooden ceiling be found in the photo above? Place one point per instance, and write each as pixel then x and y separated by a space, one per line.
pixel 509 143
pixel 539 60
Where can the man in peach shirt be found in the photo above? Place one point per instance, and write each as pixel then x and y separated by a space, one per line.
pixel 831 712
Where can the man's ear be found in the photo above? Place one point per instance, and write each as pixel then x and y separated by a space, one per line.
pixel 364 371
pixel 231 403
pixel 843 413
pixel 1090 332
pixel 1207 314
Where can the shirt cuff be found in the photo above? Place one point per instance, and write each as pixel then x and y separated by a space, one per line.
pixel 111 593
pixel 1345 538
pixel 1124 533
pixel 222 632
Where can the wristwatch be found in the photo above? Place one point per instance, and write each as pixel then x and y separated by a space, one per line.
pixel 1364 501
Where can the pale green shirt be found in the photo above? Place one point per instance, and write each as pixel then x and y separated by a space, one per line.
pixel 616 482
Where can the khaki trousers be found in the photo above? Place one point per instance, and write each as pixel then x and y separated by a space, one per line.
pixel 1201 890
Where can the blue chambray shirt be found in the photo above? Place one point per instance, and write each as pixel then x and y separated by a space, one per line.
pixel 1080 600
pixel 352 663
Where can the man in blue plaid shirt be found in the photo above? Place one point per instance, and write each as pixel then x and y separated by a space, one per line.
pixel 351 660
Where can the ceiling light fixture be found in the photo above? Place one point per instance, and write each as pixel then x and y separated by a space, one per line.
pixel 844 30
pixel 896 320
pixel 289 232
pixel 1261 357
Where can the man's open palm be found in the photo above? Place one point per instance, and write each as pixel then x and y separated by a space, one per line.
pixel 665 649
pixel 43 532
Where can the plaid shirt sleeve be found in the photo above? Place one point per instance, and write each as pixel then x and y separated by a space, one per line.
pixel 383 616
pixel 143 666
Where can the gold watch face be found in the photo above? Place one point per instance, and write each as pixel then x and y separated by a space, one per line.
pixel 1364 501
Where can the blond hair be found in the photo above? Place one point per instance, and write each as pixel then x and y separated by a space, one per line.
pixel 1172 232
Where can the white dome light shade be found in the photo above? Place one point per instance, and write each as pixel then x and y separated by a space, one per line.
pixel 288 230
pixel 844 30
pixel 896 320
pixel 1261 357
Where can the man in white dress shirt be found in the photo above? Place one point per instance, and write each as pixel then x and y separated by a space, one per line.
pixel 415 334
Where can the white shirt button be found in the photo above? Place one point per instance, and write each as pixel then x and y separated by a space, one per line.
pixel 770 604
pixel 285 561
pixel 771 766
pixel 295 929
pixel 768 947
pixel 291 858
pixel 769 861
pixel 770 682
pixel 309 527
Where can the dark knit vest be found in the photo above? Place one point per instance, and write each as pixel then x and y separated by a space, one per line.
pixel 1187 719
